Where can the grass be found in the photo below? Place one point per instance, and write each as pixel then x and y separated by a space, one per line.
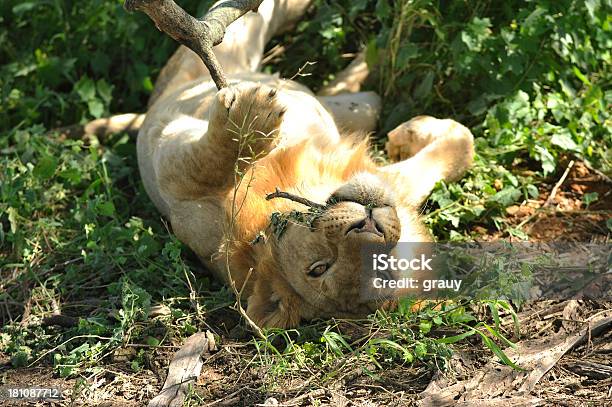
pixel 79 235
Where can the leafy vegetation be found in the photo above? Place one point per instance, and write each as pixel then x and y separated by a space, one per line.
pixel 66 62
pixel 78 234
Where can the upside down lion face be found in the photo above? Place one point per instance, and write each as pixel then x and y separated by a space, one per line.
pixel 321 265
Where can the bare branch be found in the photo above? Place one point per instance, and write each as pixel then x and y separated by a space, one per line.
pixel 553 193
pixel 295 198
pixel 199 35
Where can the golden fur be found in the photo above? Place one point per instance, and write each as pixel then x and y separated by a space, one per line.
pixel 208 159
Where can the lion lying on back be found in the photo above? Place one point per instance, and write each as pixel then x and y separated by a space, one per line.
pixel 208 159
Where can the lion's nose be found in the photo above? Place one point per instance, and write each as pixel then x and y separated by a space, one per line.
pixel 367 225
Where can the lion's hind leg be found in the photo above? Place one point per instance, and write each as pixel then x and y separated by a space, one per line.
pixel 432 150
pixel 348 80
pixel 354 112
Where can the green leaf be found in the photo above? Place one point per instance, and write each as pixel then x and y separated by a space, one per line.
pixel 152 341
pixel 406 53
pixel 12 217
pixel 519 106
pixel 424 88
pixel 96 108
pixel 371 53
pixel 24 7
pixel 499 335
pixel 506 196
pixel 494 313
pixel 518 233
pixel 564 140
pixel 547 160
pixel 147 84
pixel 357 7
pixel 425 327
pixel 581 76
pixel 105 91
pixel 86 89
pixel 106 208
pixel 71 174
pixel 589 198
pixel 456 338
pixel 489 343
pixel 21 357
pixel 533 191
pixel 383 10
pixel 420 349
pixel 389 344
pixel 505 305
pixel 476 33
pixel 335 340
pixel 408 356
pixel 45 168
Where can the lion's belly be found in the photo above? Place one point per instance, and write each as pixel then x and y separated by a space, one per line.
pixel 182 116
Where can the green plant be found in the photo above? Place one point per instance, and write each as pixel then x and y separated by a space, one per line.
pixel 69 61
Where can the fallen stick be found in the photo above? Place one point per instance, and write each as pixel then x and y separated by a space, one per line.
pixel 553 193
pixel 315 394
pixel 184 370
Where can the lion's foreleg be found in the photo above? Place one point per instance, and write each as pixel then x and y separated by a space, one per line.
pixel 243 126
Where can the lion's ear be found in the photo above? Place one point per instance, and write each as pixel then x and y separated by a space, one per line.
pixel 274 303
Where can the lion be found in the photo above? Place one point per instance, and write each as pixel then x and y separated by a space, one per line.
pixel 209 158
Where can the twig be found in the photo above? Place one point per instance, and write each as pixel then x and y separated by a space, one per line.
pixel 273 53
pixel 199 35
pixel 553 193
pixel 302 68
pixel 286 195
pixel 224 400
pixel 243 141
pixel 241 309
pixel 600 174
pixel 317 393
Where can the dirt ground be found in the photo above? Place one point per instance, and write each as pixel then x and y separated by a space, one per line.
pixel 582 377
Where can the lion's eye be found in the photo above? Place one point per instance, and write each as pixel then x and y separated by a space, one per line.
pixel 317 269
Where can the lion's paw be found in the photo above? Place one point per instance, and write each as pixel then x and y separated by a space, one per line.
pixel 247 111
pixel 410 137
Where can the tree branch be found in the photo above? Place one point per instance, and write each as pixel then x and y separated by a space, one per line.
pixel 199 35
pixel 295 198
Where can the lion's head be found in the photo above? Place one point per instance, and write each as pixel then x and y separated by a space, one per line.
pixel 312 267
